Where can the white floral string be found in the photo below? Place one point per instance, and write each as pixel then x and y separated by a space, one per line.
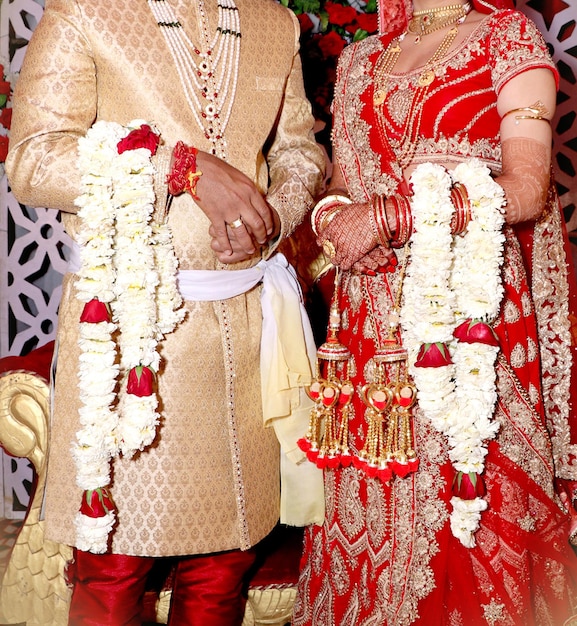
pixel 127 281
pixel 453 287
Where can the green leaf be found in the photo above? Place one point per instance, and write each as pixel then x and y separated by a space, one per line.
pixel 360 34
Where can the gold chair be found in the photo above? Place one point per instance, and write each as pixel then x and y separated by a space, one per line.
pixel 34 589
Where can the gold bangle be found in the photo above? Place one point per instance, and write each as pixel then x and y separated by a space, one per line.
pixel 536 111
pixel 332 200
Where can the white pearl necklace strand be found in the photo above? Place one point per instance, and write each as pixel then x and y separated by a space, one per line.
pixel 209 76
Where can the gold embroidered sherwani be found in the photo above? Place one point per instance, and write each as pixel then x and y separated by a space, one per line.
pixel 210 481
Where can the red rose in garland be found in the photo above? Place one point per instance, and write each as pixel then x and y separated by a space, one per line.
pixel 468 486
pixel 433 355
pixel 140 381
pixel 96 503
pixel 475 331
pixel 95 312
pixel 143 137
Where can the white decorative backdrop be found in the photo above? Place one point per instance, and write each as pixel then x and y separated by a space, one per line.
pixel 33 249
pixel 33 246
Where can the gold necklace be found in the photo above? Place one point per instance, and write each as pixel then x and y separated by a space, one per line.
pixel 430 20
pixel 405 149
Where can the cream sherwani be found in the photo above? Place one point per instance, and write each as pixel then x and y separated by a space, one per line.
pixel 210 481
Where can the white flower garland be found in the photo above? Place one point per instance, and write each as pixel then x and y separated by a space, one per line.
pixel 450 280
pixel 129 266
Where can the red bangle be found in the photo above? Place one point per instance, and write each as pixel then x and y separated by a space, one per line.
pixel 462 215
pixel 184 175
pixel 404 227
pixel 326 209
pixel 381 225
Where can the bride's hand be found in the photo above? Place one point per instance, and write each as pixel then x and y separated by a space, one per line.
pixel 379 259
pixel 350 235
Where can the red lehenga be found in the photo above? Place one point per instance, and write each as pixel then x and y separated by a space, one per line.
pixel 385 554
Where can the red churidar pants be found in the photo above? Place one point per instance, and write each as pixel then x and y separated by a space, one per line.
pixel 109 589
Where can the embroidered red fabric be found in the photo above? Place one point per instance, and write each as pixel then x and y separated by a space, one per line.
pixel 386 554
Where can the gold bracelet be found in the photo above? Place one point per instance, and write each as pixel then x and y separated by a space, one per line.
pixel 536 111
pixel 333 201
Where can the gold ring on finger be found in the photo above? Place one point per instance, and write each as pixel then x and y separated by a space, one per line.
pixel 238 222
pixel 329 249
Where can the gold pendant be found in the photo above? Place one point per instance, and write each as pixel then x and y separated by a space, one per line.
pixel 379 97
pixel 426 78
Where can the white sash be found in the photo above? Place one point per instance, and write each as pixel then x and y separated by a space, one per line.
pixel 288 353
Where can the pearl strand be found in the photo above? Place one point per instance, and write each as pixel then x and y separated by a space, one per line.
pixel 209 77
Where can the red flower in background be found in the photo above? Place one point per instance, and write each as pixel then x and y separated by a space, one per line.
pixel 305 22
pixel 368 22
pixel 3 148
pixel 340 15
pixel 327 26
pixel 4 90
pixel 6 118
pixel 331 44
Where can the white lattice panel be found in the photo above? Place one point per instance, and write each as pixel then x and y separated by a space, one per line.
pixel 33 248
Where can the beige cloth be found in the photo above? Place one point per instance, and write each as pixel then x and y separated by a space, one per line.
pixel 210 481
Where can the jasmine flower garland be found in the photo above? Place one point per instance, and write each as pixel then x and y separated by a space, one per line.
pixel 452 293
pixel 127 281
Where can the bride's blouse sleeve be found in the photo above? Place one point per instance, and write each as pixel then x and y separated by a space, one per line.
pixel 516 45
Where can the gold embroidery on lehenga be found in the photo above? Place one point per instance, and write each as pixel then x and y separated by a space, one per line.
pixel 511 312
pixel 493 612
pixel 518 356
pixel 532 350
pixel 551 296
pixel 527 305
pixel 522 432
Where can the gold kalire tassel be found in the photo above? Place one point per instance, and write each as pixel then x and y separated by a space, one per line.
pixel 327 441
pixel 388 448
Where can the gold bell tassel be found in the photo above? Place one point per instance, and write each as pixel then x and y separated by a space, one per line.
pixel 326 441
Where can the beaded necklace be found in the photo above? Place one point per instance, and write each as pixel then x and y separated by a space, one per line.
pixel 405 147
pixel 209 74
pixel 429 20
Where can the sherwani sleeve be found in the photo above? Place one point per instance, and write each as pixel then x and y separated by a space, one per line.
pixel 296 162
pixel 55 103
